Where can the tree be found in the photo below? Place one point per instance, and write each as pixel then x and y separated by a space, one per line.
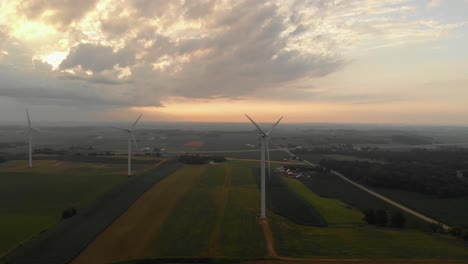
pixel 465 235
pixel 397 220
pixel 381 217
pixel 369 216
pixel 69 212
pixel 437 227
pixel 456 231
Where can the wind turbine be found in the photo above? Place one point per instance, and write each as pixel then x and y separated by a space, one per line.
pixel 264 137
pixel 131 138
pixel 29 131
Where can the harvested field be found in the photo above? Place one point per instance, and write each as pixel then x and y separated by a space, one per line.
pixel 65 241
pixel 204 211
pixel 34 198
pixel 129 236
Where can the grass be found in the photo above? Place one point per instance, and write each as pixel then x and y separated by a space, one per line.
pixel 348 237
pixel 187 230
pixel 199 211
pixel 334 211
pixel 331 186
pixel 241 235
pixel 215 227
pixel 283 201
pixel 32 199
pixel 452 211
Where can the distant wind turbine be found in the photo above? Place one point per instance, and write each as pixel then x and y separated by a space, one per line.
pixel 29 132
pixel 264 138
pixel 131 138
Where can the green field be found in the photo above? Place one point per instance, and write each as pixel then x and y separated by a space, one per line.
pixel 199 211
pixel 214 229
pixel 331 186
pixel 203 211
pixel 32 199
pixel 452 211
pixel 349 237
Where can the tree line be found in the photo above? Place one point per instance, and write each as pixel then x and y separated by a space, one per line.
pixel 380 217
pixel 423 177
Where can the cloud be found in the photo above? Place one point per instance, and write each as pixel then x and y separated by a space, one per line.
pixel 60 13
pixel 238 50
pixel 433 4
pixel 96 58
pixel 40 88
pixel 137 53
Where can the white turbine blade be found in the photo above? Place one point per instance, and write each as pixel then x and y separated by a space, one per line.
pixel 268 157
pixel 134 140
pixel 121 129
pixel 134 124
pixel 271 129
pixel 29 120
pixel 253 122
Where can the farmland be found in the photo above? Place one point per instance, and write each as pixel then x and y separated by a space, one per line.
pixel 212 209
pixel 331 186
pixel 209 211
pixel 285 202
pixel 349 237
pixel 33 198
pixel 452 211
pixel 65 240
pixel 213 212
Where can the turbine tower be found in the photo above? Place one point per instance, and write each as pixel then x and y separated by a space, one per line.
pixel 29 132
pixel 131 138
pixel 265 149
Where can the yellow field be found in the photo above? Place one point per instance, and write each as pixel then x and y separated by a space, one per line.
pixel 129 236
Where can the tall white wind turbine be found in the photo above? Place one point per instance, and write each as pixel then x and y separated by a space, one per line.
pixel 265 149
pixel 131 138
pixel 29 132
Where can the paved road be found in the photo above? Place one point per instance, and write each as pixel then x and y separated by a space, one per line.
pixel 62 243
pixel 388 200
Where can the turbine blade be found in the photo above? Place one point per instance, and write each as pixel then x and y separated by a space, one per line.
pixel 268 157
pixel 253 122
pixel 271 129
pixel 29 120
pixel 134 140
pixel 121 129
pixel 134 124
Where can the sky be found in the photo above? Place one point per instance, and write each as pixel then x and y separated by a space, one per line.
pixel 317 61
